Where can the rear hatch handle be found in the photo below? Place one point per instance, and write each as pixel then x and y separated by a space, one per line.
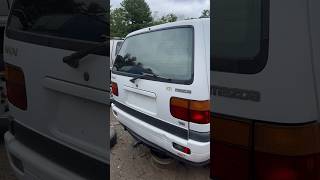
pixel 73 60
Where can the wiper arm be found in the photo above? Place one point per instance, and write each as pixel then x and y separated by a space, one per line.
pixel 74 59
pixel 148 74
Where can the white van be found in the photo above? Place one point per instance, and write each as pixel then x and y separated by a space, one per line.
pixel 160 86
pixel 57 85
pixel 266 90
pixel 115 45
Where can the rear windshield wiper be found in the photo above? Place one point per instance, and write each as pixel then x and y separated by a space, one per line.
pixel 74 59
pixel 133 80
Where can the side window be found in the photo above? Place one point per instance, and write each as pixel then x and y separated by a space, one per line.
pixel 240 36
pixel 69 19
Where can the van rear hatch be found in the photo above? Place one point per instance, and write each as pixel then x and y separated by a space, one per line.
pixel 155 74
pixel 64 103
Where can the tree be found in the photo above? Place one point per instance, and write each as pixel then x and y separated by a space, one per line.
pixel 131 16
pixel 205 13
pixel 166 19
pixel 118 24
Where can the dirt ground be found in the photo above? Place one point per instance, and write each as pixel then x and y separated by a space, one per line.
pixel 5 169
pixel 129 163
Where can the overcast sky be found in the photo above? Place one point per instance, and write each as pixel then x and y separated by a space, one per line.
pixel 182 8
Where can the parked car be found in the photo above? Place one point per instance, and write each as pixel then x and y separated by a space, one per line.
pixel 160 86
pixel 265 76
pixel 57 66
pixel 115 45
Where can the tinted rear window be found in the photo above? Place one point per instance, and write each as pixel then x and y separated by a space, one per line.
pixel 4 8
pixel 75 19
pixel 167 53
pixel 240 35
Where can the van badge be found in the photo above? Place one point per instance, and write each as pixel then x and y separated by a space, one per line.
pixel 183 91
pixel 11 51
pixel 169 88
pixel 235 93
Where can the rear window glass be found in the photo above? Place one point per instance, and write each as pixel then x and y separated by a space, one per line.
pixel 166 53
pixel 76 19
pixel 239 35
pixel 4 8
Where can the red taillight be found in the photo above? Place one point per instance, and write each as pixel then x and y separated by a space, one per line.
pixel 265 151
pixel 274 167
pixel 16 89
pixel 114 88
pixel 190 110
pixel 230 151
pixel 287 152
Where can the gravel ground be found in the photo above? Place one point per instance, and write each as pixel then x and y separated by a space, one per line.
pixel 129 163
pixel 5 169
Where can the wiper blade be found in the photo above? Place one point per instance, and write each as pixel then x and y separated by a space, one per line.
pixel 148 75
pixel 74 59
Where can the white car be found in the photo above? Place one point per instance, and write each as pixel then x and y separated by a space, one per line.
pixel 266 90
pixel 57 84
pixel 115 46
pixel 161 88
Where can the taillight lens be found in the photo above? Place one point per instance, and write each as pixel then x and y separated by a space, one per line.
pixel 265 151
pixel 16 89
pixel 287 152
pixel 230 149
pixel 190 110
pixel 114 87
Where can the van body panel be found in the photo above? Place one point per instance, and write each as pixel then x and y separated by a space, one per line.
pixel 314 28
pixel 200 150
pixel 289 95
pixel 65 118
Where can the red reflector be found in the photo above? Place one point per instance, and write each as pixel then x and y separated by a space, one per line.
pixel 15 84
pixel 181 148
pixel 114 88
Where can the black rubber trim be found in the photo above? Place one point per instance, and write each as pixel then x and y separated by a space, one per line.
pixel 70 159
pixel 177 131
pixel 172 129
pixel 199 136
pixel 247 120
pixel 56 42
pixel 153 146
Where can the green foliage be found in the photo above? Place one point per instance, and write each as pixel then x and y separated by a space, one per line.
pixel 131 16
pixel 166 19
